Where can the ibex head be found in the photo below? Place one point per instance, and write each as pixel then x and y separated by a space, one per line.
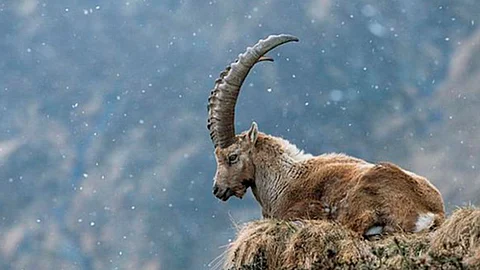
pixel 235 168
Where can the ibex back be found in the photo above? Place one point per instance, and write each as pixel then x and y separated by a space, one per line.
pixel 368 198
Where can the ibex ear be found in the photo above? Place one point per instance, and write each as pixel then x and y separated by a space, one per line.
pixel 253 133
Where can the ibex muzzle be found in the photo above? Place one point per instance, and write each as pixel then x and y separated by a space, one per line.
pixel 289 184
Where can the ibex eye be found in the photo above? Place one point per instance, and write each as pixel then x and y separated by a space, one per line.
pixel 232 158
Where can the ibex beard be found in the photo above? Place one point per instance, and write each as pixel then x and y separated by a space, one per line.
pixel 368 198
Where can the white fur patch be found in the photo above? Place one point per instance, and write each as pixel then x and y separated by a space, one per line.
pixel 366 166
pixel 292 151
pixel 424 221
pixel 374 230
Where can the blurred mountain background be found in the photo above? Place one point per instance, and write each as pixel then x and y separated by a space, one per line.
pixel 105 159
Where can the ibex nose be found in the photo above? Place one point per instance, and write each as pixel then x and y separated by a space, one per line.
pixel 215 190
pixel 222 193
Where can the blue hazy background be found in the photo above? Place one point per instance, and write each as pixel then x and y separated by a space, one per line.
pixel 105 159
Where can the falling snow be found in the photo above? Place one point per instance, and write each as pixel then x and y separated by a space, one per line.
pixel 104 153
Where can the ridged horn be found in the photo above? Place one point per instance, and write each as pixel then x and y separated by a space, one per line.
pixel 222 99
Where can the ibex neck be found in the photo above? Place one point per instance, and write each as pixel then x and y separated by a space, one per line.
pixel 277 163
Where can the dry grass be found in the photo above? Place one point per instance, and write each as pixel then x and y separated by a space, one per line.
pixel 316 244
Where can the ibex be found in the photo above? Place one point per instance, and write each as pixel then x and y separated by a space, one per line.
pixel 370 199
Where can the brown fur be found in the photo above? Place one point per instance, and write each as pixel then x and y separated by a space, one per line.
pixel 290 185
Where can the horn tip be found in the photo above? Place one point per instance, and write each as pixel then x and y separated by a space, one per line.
pixel 286 37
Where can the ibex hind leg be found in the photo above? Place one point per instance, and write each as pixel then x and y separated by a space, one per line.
pixel 363 218
pixel 398 199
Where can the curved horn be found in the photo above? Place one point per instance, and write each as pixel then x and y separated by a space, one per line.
pixel 222 100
